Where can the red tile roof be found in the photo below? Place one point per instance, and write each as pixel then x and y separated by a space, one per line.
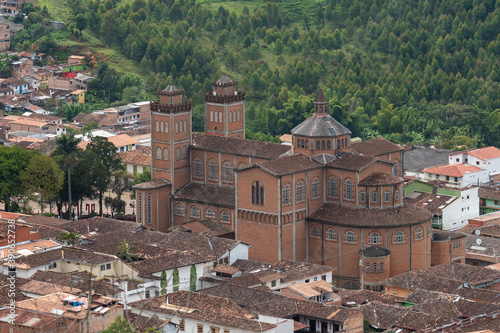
pixel 454 170
pixel 375 147
pixel 486 153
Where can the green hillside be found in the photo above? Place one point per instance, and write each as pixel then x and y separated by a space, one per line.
pixel 413 71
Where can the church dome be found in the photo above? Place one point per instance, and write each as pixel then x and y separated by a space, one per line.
pixel 322 125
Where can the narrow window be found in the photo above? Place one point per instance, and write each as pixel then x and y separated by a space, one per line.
pixel 197 168
pixel 139 207
pixel 381 267
pixel 396 195
pixel 157 126
pixel 185 126
pixel 161 126
pixel 419 234
pixel 227 173
pixel 225 217
pixel 213 171
pixel 300 192
pixel 166 127
pixel 239 115
pixel 211 116
pixel 387 196
pixel 330 235
pixel 323 145
pixel 179 210
pixel 158 153
pixel 195 212
pixel 286 195
pixel 315 189
pixel 328 145
pixel 375 196
pixel 368 267
pixel 177 153
pixel 349 237
pixel 348 190
pixel 149 208
pixel 185 152
pixel 165 154
pixel 374 267
pixel 332 189
pixel 231 116
pixel 307 144
pixel 302 143
pixel 176 127
pixel 362 196
pixel 317 145
pixel 209 213
pixel 315 232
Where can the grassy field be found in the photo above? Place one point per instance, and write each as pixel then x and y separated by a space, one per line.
pixel 58 9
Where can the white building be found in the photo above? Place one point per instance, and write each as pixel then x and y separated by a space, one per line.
pixel 487 158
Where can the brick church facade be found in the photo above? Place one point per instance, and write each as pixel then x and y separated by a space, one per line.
pixel 322 200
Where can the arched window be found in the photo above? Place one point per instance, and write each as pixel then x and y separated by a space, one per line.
pixel 161 126
pixel 374 267
pixel 348 190
pixel 307 144
pixel 381 267
pixel 362 196
pixel 179 210
pixel 374 238
pixel 166 127
pixel 195 212
pixel 209 213
pixel 177 153
pixel 399 237
pixel 185 125
pixel 286 195
pixel 239 115
pixel 349 237
pixel 419 234
pixel 315 188
pixel 220 117
pixel 165 154
pixel 197 168
pixel 396 195
pixel 302 143
pixel 328 145
pixel 300 191
pixel 257 193
pixel 374 196
pixel 157 126
pixel 193 278
pixel 211 116
pixel 387 196
pixel 314 232
pixel 298 143
pixel 231 116
pixel 317 144
pixel 212 175
pixel 395 167
pixel 330 235
pixel 158 153
pixel 175 279
pixel 368 267
pixel 227 173
pixel 225 217
pixel 185 152
pixel 332 187
pixel 323 145
pixel 176 127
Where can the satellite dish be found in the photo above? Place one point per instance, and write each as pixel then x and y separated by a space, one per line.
pixel 477 232
pixel 214 93
pixel 235 92
pixel 479 241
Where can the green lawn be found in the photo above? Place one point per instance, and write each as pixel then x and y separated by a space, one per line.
pixel 58 9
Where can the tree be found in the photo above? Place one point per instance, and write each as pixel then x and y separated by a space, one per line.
pixel 125 252
pixel 27 8
pixel 116 205
pixel 104 161
pixel 120 325
pixel 81 22
pixel 69 237
pixel 68 152
pixel 143 177
pixel 44 176
pixel 12 162
pixel 121 180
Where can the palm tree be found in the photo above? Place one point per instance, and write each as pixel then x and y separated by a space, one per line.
pixel 67 149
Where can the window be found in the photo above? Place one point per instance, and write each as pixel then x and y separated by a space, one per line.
pixel 220 117
pixel 211 116
pixel 381 267
pixel 374 267
pixel 400 237
pixel 456 244
pixel 149 208
pixel 395 170
pixel 193 277
pixel 227 173
pixel 349 237
pixel 456 179
pixel 231 116
pixel 419 234
pixel 396 195
pixel 185 125
pixel 157 126
pixel 225 217
pixel 103 268
pixel 177 153
pixel 362 196
pixel 307 144
pixel 199 328
pixel 332 188
pixel 302 143
pixel 286 195
pixel 226 330
pixel 185 152
pixel 315 232
pixel 197 168
pixel 147 294
pixel 108 266
pixel 165 154
pixel 348 190
pixel 368 267
pixel 317 145
pixel 328 145
pixel 166 127
pixel 387 196
pixel 212 175
pixel 161 126
pixel 257 193
pixel 214 330
pixel 158 153
pixel 323 145
pixel 182 325
pixel 195 212
pixel 139 207
pixel 239 115
pixel 273 283
pixel 179 210
pixel 374 238
pixel 209 213
pixel 176 127
pixel 300 192
pixel 374 196
pixel 315 189
pixel 330 235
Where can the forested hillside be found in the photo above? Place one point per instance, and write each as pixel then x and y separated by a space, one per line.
pixel 413 71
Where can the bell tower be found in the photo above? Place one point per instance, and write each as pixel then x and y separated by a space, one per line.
pixel 225 109
pixel 171 118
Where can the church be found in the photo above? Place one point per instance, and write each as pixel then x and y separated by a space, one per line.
pixel 323 199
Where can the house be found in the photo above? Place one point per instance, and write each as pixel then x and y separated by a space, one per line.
pixel 135 162
pixel 448 246
pixel 63 311
pixel 450 207
pixel 489 199
pixel 47 118
pixel 319 291
pixel 122 142
pixel 78 96
pixel 487 158
pixel 307 315
pixel 63 83
pixel 18 86
pixel 190 312
pixel 457 175
pixel 4 37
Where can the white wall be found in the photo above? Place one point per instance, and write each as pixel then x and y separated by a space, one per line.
pixel 458 213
